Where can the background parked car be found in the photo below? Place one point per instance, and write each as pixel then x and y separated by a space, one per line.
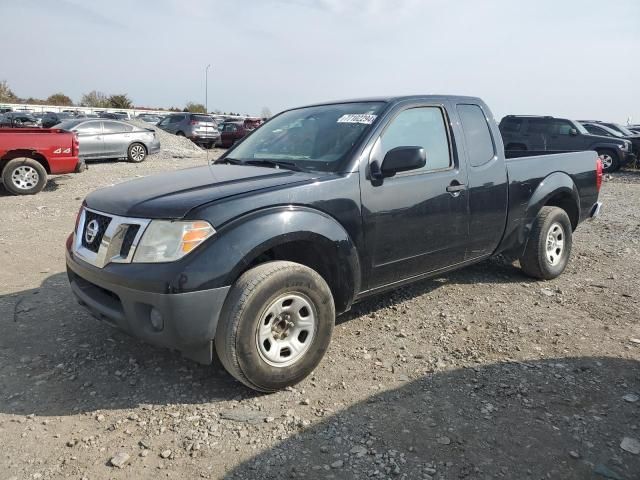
pixel 147 117
pixel 50 119
pixel 603 129
pixel 197 127
pixel 101 138
pixel 19 120
pixel 109 115
pixel 231 132
pixel 550 134
pixel 27 156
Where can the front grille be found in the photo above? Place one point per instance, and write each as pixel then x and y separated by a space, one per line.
pixel 129 237
pixel 102 222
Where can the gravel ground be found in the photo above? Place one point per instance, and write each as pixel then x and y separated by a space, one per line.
pixel 479 374
pixel 172 145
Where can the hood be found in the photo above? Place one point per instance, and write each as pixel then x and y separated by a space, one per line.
pixel 171 195
pixel 608 139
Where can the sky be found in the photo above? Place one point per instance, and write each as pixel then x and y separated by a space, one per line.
pixel 569 58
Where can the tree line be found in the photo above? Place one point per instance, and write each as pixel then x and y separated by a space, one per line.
pixel 96 99
pixel 92 99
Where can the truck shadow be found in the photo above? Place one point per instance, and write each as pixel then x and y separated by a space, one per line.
pixel 561 418
pixel 53 184
pixel 492 271
pixel 55 359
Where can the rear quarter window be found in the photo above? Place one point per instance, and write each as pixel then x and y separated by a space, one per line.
pixel 477 136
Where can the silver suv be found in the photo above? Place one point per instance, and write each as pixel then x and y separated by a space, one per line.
pixel 201 129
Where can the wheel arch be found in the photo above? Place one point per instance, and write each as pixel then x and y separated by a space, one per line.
pixel 298 234
pixel 612 147
pixel 556 190
pixel 20 153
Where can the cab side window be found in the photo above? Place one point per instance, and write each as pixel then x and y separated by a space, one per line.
pixel 477 135
pixel 419 127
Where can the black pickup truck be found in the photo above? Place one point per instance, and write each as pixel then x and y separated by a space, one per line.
pixel 319 208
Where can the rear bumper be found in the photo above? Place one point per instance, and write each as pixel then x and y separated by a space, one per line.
pixel 183 321
pixel 153 147
pixel 198 137
pixel 595 210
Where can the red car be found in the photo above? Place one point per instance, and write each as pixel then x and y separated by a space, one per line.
pixel 233 130
pixel 28 155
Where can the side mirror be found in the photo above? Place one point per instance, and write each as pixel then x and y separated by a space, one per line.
pixel 401 159
pixel 573 132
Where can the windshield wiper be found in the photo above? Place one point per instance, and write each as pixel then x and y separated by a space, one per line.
pixel 274 164
pixel 230 161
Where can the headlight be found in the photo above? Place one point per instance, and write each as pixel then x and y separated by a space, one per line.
pixel 167 241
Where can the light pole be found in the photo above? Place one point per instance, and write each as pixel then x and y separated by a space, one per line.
pixel 206 88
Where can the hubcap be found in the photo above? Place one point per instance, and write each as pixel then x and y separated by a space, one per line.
pixel 607 161
pixel 137 153
pixel 555 244
pixel 286 329
pixel 25 177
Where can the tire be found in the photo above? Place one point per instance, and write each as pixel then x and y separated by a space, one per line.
pixel 257 356
pixel 549 246
pixel 610 161
pixel 136 153
pixel 24 176
pixel 180 134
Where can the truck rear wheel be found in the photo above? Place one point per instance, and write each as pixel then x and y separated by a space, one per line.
pixel 24 176
pixel 276 325
pixel 549 246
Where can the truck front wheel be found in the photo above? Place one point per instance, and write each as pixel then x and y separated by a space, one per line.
pixel 549 246
pixel 610 161
pixel 276 325
pixel 24 176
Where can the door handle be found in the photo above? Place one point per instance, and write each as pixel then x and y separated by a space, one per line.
pixel 456 188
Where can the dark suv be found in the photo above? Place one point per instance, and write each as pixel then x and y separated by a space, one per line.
pixel 550 134
pixel 49 119
pixel 197 127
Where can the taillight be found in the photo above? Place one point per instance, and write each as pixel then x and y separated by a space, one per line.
pixel 598 173
pixel 75 143
pixel 194 122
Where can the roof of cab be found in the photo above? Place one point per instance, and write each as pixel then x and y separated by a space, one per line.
pixel 400 98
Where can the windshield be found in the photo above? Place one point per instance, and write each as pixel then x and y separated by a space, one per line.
pixel 202 118
pixel 613 132
pixel 624 130
pixel 580 128
pixel 316 138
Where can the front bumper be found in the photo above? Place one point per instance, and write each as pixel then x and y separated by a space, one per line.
pixel 189 320
pixel 629 158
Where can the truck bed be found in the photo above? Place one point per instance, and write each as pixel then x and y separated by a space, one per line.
pixel 573 174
